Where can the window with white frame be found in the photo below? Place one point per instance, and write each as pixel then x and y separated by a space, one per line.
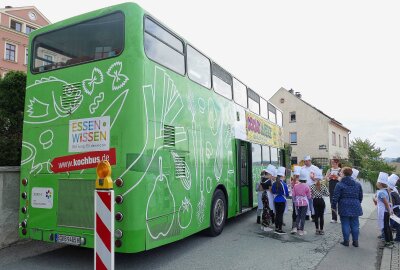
pixel 17 26
pixel 11 52
pixel 29 29
pixel 334 138
pixel 344 142
pixel 293 137
pixel 340 141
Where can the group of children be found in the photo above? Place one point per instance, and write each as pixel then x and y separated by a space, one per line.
pixel 307 198
pixel 387 199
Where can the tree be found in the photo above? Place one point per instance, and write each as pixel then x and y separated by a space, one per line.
pixel 367 157
pixel 12 97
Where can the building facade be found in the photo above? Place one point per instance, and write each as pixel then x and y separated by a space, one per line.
pixel 15 25
pixel 310 131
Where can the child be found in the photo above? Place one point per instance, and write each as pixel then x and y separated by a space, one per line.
pixel 384 208
pixel 260 191
pixel 280 190
pixel 266 186
pixel 271 174
pixel 396 204
pixel 318 191
pixel 293 182
pixel 301 195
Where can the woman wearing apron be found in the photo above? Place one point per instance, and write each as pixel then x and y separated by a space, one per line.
pixel 333 177
pixel 301 195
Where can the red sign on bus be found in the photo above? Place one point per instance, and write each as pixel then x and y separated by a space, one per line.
pixel 82 161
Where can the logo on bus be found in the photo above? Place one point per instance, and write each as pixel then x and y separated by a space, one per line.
pixel 89 134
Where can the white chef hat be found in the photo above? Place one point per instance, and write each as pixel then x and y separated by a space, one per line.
pixel 275 174
pixel 304 174
pixel 393 177
pixel 307 158
pixel 281 171
pixel 296 170
pixel 270 169
pixel 318 174
pixel 383 178
pixel 392 180
pixel 355 173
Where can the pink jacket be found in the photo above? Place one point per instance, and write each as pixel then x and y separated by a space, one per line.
pixel 301 194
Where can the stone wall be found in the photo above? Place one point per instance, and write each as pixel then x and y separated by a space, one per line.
pixel 9 205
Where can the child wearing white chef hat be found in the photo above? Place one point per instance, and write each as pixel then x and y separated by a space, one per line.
pixel 384 210
pixel 392 181
pixel 318 192
pixel 294 180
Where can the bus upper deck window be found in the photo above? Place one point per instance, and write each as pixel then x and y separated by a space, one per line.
pixel 95 39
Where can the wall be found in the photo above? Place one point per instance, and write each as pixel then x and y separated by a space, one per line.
pixel 9 205
pixel 311 126
pixel 338 150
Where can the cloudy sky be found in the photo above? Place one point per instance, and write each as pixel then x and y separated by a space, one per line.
pixel 343 56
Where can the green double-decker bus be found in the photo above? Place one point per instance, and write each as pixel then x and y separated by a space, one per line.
pixel 186 140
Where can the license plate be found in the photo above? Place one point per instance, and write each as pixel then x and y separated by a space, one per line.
pixel 68 239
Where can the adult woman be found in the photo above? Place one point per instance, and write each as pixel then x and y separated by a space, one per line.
pixel 348 195
pixel 333 176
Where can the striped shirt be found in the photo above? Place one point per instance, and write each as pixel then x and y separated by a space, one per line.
pixel 315 193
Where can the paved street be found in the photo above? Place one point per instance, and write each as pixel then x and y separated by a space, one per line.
pixel 241 246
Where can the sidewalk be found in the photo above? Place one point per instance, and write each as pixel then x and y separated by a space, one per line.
pixel 391 258
pixel 363 257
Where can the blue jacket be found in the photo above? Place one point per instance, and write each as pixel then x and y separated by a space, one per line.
pixel 348 195
pixel 281 193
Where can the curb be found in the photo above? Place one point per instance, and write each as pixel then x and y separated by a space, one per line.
pixel 391 258
pixel 386 259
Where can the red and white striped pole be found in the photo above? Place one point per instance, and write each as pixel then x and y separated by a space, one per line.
pixel 104 218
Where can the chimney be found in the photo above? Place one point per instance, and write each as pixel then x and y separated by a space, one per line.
pixel 8 7
pixel 297 94
pixel 291 91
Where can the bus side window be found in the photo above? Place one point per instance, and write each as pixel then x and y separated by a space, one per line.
pixel 222 81
pixel 163 47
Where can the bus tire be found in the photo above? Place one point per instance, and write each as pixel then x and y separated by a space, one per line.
pixel 217 213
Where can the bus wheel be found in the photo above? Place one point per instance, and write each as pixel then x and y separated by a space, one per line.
pixel 218 213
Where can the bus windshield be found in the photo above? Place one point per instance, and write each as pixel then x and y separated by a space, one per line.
pixel 91 40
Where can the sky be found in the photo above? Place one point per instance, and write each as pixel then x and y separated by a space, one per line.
pixel 343 56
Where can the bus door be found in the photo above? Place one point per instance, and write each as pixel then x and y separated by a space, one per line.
pixel 243 179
